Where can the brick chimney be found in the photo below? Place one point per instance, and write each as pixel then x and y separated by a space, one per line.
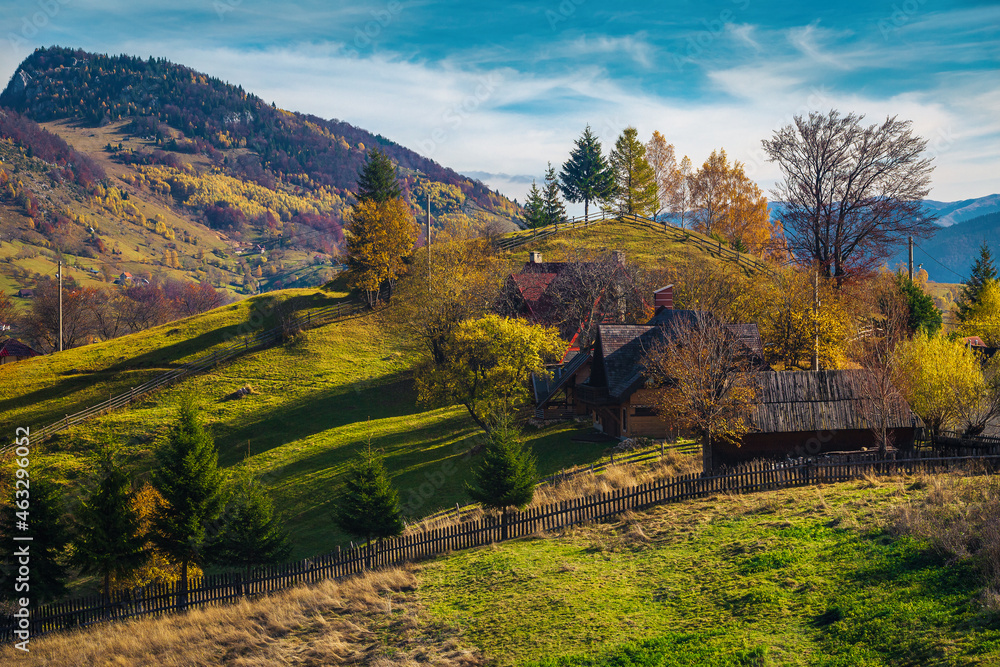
pixel 619 256
pixel 534 257
pixel 664 297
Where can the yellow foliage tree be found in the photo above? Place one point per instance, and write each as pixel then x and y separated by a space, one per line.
pixel 984 317
pixel 380 236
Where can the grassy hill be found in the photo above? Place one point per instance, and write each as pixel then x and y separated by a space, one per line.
pixel 814 576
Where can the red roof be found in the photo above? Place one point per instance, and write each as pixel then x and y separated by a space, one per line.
pixel 974 341
pixel 15 348
pixel 533 285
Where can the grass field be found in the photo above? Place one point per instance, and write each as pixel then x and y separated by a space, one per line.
pixel 811 576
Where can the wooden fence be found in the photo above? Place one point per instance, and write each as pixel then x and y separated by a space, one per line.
pixel 242 345
pixel 222 588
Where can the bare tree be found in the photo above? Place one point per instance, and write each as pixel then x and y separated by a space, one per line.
pixel 6 309
pixel 706 380
pixel 850 193
pixel 975 415
pixel 42 321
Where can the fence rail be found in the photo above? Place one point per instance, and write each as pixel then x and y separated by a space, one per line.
pixel 222 588
pixel 260 340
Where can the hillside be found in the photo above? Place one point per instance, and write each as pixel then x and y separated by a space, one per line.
pixel 811 576
pixel 949 254
pixel 161 171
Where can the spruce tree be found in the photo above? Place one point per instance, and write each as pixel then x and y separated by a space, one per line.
pixel 187 475
pixel 43 513
pixel 377 179
pixel 508 475
pixel 555 211
pixel 368 505
pixel 982 271
pixel 534 208
pixel 635 181
pixel 108 538
pixel 586 177
pixel 923 314
pixel 250 534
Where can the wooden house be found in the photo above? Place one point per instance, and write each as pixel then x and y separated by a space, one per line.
pixel 13 350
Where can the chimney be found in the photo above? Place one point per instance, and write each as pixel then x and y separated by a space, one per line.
pixel 664 297
pixel 619 256
pixel 534 257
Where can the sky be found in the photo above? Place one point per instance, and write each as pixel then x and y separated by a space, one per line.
pixel 497 90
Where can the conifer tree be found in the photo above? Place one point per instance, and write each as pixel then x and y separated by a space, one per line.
pixel 508 474
pixel 368 505
pixel 586 177
pixel 635 182
pixel 534 208
pixel 377 179
pixel 43 513
pixel 188 478
pixel 108 537
pixel 555 211
pixel 982 271
pixel 251 534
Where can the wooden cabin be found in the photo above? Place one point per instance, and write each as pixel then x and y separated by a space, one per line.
pixel 12 350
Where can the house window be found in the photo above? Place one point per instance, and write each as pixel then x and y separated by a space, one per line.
pixel 644 411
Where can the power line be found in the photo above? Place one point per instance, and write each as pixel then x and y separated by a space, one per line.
pixel 940 264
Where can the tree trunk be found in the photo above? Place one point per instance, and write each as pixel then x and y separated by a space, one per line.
pixel 182 589
pixel 476 418
pixel 706 453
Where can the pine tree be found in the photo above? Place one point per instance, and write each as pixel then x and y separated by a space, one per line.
pixel 534 208
pixel 377 179
pixel 586 177
pixel 508 473
pixel 251 534
pixel 555 211
pixel 44 514
pixel 368 505
pixel 187 475
pixel 108 538
pixel 635 181
pixel 982 271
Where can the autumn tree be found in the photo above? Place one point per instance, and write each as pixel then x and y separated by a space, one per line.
pixel 7 309
pixel 941 377
pixel 368 505
pixel 487 364
pixel 586 176
pixel 377 179
pixel 704 380
pixel 851 193
pixel 380 239
pixel 982 271
pixel 983 318
pixel 635 191
pixel 680 200
pixel 555 211
pixel 188 479
pixel 661 158
pixel 41 323
pixel 108 539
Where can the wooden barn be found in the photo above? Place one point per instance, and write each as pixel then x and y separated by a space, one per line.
pixel 13 350
pixel 803 413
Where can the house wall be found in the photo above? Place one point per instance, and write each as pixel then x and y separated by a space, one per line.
pixel 804 443
pixel 10 360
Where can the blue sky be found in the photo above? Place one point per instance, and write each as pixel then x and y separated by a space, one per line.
pixel 497 90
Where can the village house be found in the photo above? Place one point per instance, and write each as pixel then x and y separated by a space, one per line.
pixel 13 350
pixel 26 293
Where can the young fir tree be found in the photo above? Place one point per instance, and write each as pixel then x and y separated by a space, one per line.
pixel 534 208
pixel 251 534
pixel 982 271
pixel 188 478
pixel 586 177
pixel 555 211
pixel 108 536
pixel 635 182
pixel 377 179
pixel 42 515
pixel 923 314
pixel 508 474
pixel 368 505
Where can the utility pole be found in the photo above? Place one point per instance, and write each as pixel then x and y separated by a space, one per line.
pixel 60 308
pixel 816 319
pixel 910 264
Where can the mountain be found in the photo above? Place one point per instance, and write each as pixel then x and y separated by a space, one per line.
pixel 949 254
pixel 116 163
pixel 950 213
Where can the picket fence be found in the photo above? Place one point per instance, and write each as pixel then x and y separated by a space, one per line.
pixel 223 588
pixel 242 345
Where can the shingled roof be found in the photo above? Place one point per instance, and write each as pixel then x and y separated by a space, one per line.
pixel 15 348
pixel 819 401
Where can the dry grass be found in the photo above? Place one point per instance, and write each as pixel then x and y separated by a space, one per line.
pixel 585 484
pixel 372 619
